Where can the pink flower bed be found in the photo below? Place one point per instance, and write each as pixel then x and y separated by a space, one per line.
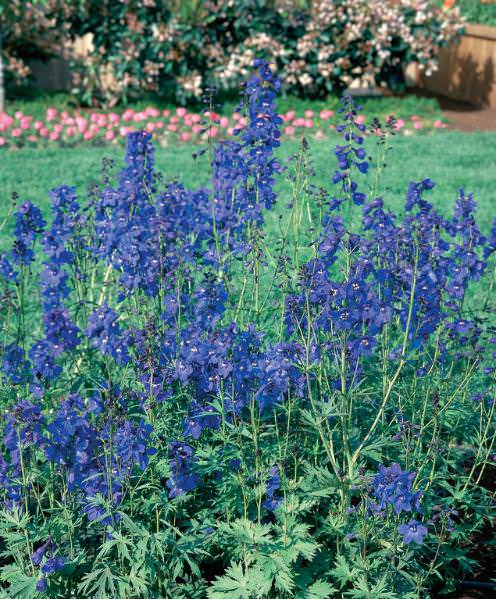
pixel 168 126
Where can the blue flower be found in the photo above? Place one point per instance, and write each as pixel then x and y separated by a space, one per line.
pixel 412 532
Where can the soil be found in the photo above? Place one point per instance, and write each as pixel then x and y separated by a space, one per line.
pixel 463 116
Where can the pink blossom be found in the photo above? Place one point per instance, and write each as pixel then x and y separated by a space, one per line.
pixel 113 118
pixel 308 123
pixel 360 120
pixel 439 124
pixel 181 112
pixel 58 128
pixel 44 132
pixel 400 123
pixel 224 122
pixel 290 115
pixel 109 135
pixel 25 122
pixel 236 116
pixel 299 122
pixel 159 125
pixel 7 120
pixel 213 132
pixel 172 128
pixel 152 112
pixel 243 121
pixel 185 136
pixel 127 115
pixel 165 113
pixel 70 131
pixel 150 127
pixel 196 118
pixel 88 135
pixel 230 130
pixel 289 130
pixel 3 141
pixel 16 132
pixel 32 138
pixel 417 125
pixel 18 114
pixel 38 125
pixel 415 117
pixel 309 114
pixel 51 113
pixel 196 128
pixel 53 136
pixel 326 114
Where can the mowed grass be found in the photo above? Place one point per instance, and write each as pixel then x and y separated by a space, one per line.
pixel 452 159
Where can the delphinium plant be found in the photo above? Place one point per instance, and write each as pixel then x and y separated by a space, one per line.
pixel 223 393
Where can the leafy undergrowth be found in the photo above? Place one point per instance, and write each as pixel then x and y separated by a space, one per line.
pixel 209 397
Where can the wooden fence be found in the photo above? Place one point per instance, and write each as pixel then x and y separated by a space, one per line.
pixel 467 71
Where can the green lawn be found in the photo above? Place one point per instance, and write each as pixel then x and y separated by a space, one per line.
pixel 451 158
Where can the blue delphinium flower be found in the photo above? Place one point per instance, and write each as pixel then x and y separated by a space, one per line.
pixel 412 532
pixel 273 485
pixel 182 479
pixel 106 334
pixel 393 487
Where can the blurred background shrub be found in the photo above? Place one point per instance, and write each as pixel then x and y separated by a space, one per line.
pixel 180 48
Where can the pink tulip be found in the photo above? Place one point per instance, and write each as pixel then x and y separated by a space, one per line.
pixel 152 112
pixel 19 114
pixel 172 128
pixel 139 116
pixel 224 122
pixel 127 115
pixel 64 115
pixel 44 132
pixel 415 117
pixel 185 136
pixel 38 125
pixel 51 113
pixel 230 131
pixel 16 132
pixel 53 136
pixel 3 141
pixel 32 138
pixel 290 115
pixel 70 131
pixel 236 116
pixel 360 120
pixel 174 119
pixel 289 130
pixel 299 122
pixel 196 128
pixel 159 125
pixel 439 124
pixel 324 115
pixel 213 132
pixel 58 128
pixel 308 122
pixel 25 122
pixel 3 127
pixel 309 114
pixel 109 135
pixel 400 123
pixel 196 118
pixel 150 127
pixel 417 125
pixel 181 112
pixel 7 120
pixel 243 121
pixel 166 113
pixel 113 118
pixel 88 135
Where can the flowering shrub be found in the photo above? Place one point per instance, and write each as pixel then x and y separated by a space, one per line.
pixel 215 392
pixel 183 48
pixel 168 126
